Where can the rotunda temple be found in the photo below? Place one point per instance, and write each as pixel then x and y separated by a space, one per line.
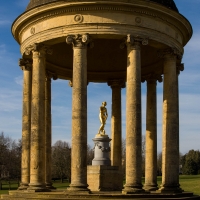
pixel 119 42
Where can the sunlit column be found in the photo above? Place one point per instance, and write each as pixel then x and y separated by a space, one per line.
pixel 133 117
pixel 79 114
pixel 26 66
pixel 170 149
pixel 37 154
pixel 151 133
pixel 116 123
pixel 48 129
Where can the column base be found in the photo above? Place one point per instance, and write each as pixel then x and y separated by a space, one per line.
pixel 23 186
pixel 170 189
pixel 50 186
pixel 133 189
pixel 78 188
pixel 37 187
pixel 150 187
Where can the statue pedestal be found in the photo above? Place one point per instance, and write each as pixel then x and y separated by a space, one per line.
pixel 104 178
pixel 101 176
pixel 101 150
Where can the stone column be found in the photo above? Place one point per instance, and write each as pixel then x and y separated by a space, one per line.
pixel 37 160
pixel 48 129
pixel 133 117
pixel 79 114
pixel 170 149
pixel 151 134
pixel 26 66
pixel 116 127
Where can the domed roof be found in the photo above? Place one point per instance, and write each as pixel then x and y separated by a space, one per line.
pixel 167 3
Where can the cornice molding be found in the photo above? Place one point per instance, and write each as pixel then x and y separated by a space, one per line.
pixel 44 12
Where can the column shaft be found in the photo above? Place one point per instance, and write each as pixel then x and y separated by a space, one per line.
pixel 116 143
pixel 151 137
pixel 79 117
pixel 133 118
pixel 48 132
pixel 170 150
pixel 26 127
pixel 37 165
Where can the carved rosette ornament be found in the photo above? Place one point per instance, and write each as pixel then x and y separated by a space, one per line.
pixel 152 78
pixel 80 41
pixel 134 41
pixel 25 64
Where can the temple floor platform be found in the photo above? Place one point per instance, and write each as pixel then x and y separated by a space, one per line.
pixel 60 195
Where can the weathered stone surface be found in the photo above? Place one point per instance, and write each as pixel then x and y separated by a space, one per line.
pixel 170 144
pixel 26 66
pixel 79 115
pixel 37 151
pixel 151 136
pixel 103 178
pixel 133 119
pixel 116 122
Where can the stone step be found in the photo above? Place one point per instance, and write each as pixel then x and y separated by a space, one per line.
pixel 60 195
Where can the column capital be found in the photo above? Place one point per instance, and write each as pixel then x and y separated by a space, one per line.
pixel 170 53
pixel 51 75
pixel 25 64
pixel 180 68
pixel 116 83
pixel 38 47
pixel 152 78
pixel 80 41
pixel 134 41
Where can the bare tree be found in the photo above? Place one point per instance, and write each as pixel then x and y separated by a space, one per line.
pixel 61 160
pixel 10 157
pixel 90 155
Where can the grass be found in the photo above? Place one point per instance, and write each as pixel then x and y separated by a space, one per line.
pixel 189 183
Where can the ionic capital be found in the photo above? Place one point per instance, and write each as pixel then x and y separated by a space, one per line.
pixel 51 75
pixel 152 78
pixel 25 64
pixel 38 47
pixel 80 41
pixel 180 68
pixel 170 53
pixel 134 41
pixel 116 83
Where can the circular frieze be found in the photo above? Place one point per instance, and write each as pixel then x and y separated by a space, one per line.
pixel 78 18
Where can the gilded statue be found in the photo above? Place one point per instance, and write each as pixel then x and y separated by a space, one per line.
pixel 103 115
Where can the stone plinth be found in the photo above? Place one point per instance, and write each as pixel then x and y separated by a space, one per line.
pixel 103 178
pixel 102 150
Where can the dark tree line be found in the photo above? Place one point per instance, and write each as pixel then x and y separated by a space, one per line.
pixel 61 160
pixel 191 162
pixel 10 159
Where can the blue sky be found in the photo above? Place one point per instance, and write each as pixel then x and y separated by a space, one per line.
pixel 11 86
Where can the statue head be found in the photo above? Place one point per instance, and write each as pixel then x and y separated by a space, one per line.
pixel 104 103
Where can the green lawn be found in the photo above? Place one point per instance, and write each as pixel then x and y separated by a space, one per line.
pixel 188 183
